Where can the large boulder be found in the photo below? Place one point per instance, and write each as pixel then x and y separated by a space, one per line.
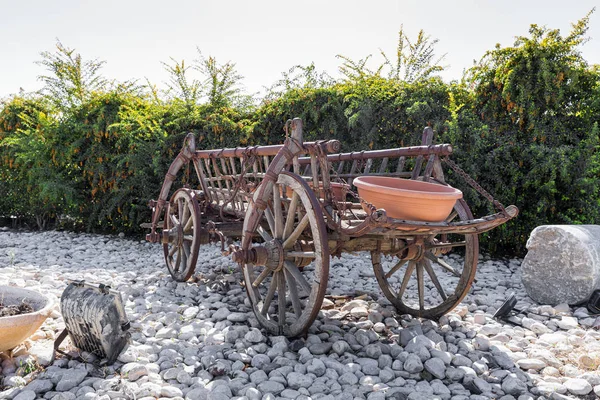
pixel 562 264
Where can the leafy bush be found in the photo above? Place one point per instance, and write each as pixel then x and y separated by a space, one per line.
pixel 523 123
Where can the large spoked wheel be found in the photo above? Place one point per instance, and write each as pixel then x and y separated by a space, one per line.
pixel 419 280
pixel 286 269
pixel 181 238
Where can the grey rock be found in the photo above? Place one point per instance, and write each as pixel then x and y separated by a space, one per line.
pixel 413 364
pixel 70 379
pixel 316 366
pixel 296 380
pixel 513 386
pixel 259 376
pixel 40 386
pixel 320 348
pixel 554 249
pixel 340 347
pixel 197 394
pixel 25 395
pixel 348 379
pixel 368 366
pixel 253 394
pixel 373 350
pixel 436 367
pixel 254 336
pixel 419 342
pixel 407 334
pixel 270 387
pixel 237 317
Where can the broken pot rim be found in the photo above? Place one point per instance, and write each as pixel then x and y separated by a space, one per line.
pixel 372 183
pixel 45 311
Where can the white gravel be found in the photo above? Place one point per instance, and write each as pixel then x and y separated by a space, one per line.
pixel 200 340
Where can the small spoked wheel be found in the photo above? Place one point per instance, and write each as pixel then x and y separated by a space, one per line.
pixel 419 280
pixel 285 257
pixel 180 237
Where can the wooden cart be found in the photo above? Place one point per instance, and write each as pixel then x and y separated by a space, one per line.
pixel 283 203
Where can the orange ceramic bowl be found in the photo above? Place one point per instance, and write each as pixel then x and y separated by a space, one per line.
pixel 408 199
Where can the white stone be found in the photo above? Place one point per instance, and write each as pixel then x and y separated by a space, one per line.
pixel 578 386
pixel 531 363
pixel 562 264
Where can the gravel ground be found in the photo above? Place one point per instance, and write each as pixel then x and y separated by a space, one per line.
pixel 200 340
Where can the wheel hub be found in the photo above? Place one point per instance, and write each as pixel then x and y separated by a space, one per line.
pixel 173 235
pixel 270 255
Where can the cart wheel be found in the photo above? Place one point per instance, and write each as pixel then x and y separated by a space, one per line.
pixel 181 238
pixel 411 281
pixel 286 271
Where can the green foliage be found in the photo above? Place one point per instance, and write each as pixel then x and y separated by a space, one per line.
pixel 34 187
pixel 540 89
pixel 416 60
pixel 71 80
pixel 523 123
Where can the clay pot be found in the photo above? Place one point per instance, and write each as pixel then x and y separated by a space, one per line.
pixel 337 190
pixel 15 329
pixel 407 199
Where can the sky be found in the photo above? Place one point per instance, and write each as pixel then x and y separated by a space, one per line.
pixel 264 38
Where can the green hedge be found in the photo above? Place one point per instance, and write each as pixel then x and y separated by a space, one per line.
pixel 524 124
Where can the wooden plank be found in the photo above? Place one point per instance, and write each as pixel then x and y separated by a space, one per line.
pixel 383 165
pixel 401 162
pixel 368 166
pixel 429 168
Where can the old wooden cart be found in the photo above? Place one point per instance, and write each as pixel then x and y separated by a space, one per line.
pixel 288 206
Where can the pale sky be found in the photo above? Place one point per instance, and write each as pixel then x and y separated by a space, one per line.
pixel 264 38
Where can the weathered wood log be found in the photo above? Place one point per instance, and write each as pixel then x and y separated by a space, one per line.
pixel 562 264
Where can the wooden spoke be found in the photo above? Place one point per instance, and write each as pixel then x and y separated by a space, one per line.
pixel 184 257
pixel 264 234
pixel 270 220
pixel 293 292
pixel 173 219
pixel 297 275
pixel 178 260
pixel 278 211
pixel 173 250
pixel 188 225
pixel 186 215
pixel 281 297
pixel 291 240
pixel 265 272
pixel 445 245
pixel 291 216
pixel 434 278
pixel 452 215
pixel 395 268
pixel 443 263
pixel 407 274
pixel 301 254
pixel 186 249
pixel 420 286
pixel 180 208
pixel 270 294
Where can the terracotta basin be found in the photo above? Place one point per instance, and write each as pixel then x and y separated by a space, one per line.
pixel 408 199
pixel 15 329
pixel 337 190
